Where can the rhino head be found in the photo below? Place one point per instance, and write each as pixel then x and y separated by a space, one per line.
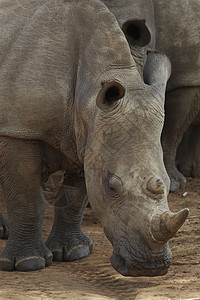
pixel 127 183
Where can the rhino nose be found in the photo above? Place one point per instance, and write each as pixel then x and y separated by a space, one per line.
pixel 155 186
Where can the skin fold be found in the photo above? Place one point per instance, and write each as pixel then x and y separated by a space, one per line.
pixel 3 227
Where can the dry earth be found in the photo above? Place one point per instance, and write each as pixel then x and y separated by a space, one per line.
pixel 94 278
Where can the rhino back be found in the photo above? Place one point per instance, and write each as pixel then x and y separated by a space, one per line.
pixel 50 49
pixel 36 69
pixel 178 27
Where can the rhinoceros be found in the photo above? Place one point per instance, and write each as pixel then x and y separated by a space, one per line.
pixel 72 99
pixel 176 30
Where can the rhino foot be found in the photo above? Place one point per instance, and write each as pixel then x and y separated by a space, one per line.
pixel 190 168
pixel 188 154
pixel 69 248
pixel 4 231
pixel 31 260
pixel 177 180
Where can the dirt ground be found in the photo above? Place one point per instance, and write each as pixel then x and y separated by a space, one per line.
pixel 94 278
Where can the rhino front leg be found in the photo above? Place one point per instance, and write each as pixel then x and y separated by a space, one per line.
pixel 182 105
pixel 188 154
pixel 4 231
pixel 20 177
pixel 66 241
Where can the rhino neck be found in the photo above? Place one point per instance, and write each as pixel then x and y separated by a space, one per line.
pixel 103 54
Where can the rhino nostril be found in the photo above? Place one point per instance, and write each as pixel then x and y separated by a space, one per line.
pixel 159 182
pixel 155 186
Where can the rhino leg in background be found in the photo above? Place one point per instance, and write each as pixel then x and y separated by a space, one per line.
pixel 4 231
pixel 188 153
pixel 181 108
pixel 66 241
pixel 20 176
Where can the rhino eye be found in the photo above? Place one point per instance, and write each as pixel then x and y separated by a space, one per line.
pixel 114 186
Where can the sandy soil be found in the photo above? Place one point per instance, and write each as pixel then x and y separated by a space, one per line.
pixel 94 278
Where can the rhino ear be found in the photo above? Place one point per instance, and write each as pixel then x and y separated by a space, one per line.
pixel 157 71
pixel 109 94
pixel 137 33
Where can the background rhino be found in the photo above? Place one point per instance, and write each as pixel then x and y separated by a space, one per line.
pixel 70 101
pixel 177 35
pixel 178 38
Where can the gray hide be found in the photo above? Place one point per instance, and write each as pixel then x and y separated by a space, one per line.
pixel 178 36
pixel 136 18
pixel 72 99
pixel 188 153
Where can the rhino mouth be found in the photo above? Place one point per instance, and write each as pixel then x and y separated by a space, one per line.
pixel 135 268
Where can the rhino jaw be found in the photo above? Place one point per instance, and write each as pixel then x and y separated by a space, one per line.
pixel 134 268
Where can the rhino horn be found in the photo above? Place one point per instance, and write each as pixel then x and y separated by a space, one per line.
pixel 167 225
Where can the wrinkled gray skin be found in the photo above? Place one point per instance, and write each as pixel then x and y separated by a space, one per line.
pixel 188 153
pixel 70 101
pixel 177 35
